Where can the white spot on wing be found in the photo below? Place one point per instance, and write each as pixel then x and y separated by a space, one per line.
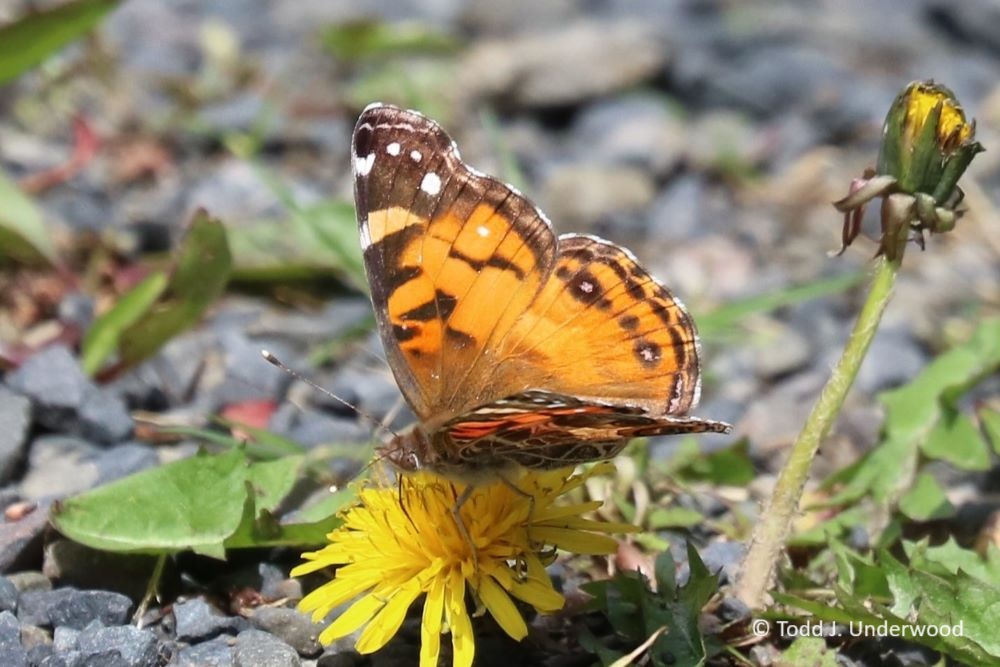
pixel 366 236
pixel 363 165
pixel 586 286
pixel 393 148
pixel 431 183
pixel 483 230
pixel 416 156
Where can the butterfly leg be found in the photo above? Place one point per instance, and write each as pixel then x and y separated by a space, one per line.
pixel 456 513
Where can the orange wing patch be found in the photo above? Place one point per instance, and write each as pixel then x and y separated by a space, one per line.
pixel 602 328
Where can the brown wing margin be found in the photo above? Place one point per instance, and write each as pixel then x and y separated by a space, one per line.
pixel 452 256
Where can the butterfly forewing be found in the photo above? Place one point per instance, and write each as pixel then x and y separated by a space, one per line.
pixel 452 257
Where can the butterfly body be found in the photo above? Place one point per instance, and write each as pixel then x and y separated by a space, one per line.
pixel 513 346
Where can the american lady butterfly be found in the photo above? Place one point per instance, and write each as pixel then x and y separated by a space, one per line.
pixel 513 346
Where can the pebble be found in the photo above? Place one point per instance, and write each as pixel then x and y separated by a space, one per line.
pixel 52 379
pixel 123 460
pixel 66 401
pixel 122 645
pixel 73 608
pixel 581 195
pixel 15 418
pixel 216 652
pixel 577 61
pixel 20 540
pixel 291 626
pixel 8 595
pixel 59 466
pixel 255 648
pixel 196 620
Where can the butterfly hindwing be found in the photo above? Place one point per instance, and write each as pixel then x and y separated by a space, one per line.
pixel 546 430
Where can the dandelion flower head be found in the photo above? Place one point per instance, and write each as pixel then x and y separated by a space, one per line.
pixel 398 543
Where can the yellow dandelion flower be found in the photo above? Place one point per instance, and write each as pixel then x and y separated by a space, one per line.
pixel 399 543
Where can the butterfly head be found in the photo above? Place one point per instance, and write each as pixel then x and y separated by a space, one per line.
pixel 407 452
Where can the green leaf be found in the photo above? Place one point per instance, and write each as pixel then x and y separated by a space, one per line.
pixel 195 503
pixel 809 652
pixel 956 439
pixel 273 480
pixel 990 419
pixel 102 339
pixel 926 500
pixel 949 558
pixel 312 242
pixel 731 466
pixel 674 517
pixel 912 413
pixel 23 236
pixel 367 39
pixel 31 39
pixel 200 275
pixel 725 319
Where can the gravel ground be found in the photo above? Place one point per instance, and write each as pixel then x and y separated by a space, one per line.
pixel 708 136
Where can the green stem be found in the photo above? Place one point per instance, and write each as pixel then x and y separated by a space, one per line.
pixel 775 524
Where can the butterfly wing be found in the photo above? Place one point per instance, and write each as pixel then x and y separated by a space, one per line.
pixel 545 430
pixel 453 257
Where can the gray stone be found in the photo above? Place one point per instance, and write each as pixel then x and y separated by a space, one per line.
pixel 255 648
pixel 42 654
pixel 638 130
pixel 129 645
pixel 73 608
pixel 15 418
pixel 124 460
pixel 291 626
pixel 724 559
pixel 581 195
pixel 104 417
pixel 565 65
pixel 21 538
pixel 784 353
pixel 8 595
pixel 59 466
pixel 32 636
pixel 30 580
pixel 310 429
pixel 894 358
pixel 65 638
pixel 12 654
pixel 196 620
pixel 217 652
pixel 52 379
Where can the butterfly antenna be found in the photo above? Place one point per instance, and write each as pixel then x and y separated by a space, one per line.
pixel 274 361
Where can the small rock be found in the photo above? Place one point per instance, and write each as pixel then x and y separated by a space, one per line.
pixel 12 654
pixel 64 639
pixel 255 648
pixel 214 653
pixel 124 644
pixel 310 429
pixel 292 627
pixel 787 352
pixel 8 595
pixel 104 417
pixel 733 609
pixel 21 539
pixel 15 418
pixel 677 212
pixel 196 620
pixel 73 608
pixel 59 466
pixel 30 580
pixel 894 358
pixel 43 655
pixel 32 636
pixel 248 375
pixel 52 379
pixel 123 460
pixel 274 585
pixel 581 195
pixel 565 65
pixel 723 558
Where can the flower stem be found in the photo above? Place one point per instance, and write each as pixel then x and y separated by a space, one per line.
pixel 771 532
